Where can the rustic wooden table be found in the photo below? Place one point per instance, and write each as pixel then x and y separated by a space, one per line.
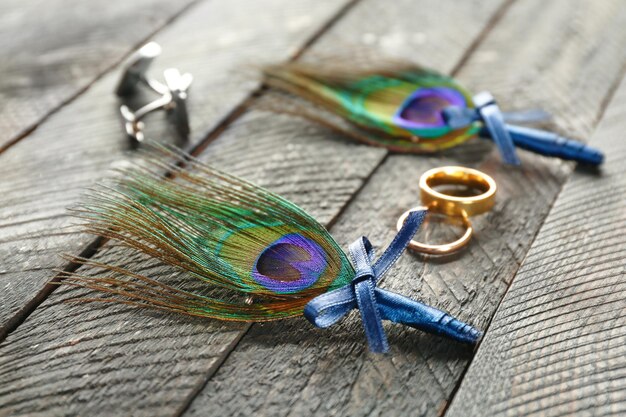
pixel 544 275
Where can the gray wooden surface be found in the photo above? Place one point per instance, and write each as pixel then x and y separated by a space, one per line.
pixel 47 171
pixel 332 371
pixel 556 345
pixel 88 359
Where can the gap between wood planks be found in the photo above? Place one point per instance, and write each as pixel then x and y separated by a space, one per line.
pixel 92 248
pixel 114 65
pixel 603 106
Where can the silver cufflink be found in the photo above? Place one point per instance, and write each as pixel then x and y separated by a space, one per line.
pixel 173 93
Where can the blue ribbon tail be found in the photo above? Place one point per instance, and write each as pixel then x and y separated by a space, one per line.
pixel 494 124
pixel 526 116
pixel 403 310
pixel 364 285
pixel 370 315
pixel 551 144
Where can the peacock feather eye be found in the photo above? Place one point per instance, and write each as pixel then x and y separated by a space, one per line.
pixel 422 109
pixel 290 264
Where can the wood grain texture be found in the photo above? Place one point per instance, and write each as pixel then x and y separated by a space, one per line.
pixel 139 358
pixel 291 369
pixel 556 344
pixel 67 364
pixel 152 363
pixel 51 50
pixel 45 173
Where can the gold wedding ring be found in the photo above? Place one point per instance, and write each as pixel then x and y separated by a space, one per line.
pixel 438 249
pixel 453 205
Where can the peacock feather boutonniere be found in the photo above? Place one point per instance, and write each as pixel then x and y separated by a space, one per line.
pixel 266 258
pixel 407 108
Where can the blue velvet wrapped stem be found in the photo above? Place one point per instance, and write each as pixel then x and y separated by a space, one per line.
pixel 400 309
pixel 551 144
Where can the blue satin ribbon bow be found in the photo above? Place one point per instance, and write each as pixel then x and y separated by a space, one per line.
pixel 376 305
pixel 507 136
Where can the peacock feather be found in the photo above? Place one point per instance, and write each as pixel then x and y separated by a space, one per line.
pixel 397 107
pixel 411 109
pixel 256 256
pixel 242 240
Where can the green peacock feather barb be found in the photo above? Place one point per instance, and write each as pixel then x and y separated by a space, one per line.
pixel 220 229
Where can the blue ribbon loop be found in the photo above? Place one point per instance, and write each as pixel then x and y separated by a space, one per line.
pixel 376 305
pixel 534 140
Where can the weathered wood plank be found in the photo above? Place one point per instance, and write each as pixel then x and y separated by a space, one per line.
pixel 153 364
pixel 556 344
pixel 53 50
pixel 290 369
pixel 81 356
pixel 45 174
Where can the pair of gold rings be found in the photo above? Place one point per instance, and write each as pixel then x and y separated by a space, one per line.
pixel 453 205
